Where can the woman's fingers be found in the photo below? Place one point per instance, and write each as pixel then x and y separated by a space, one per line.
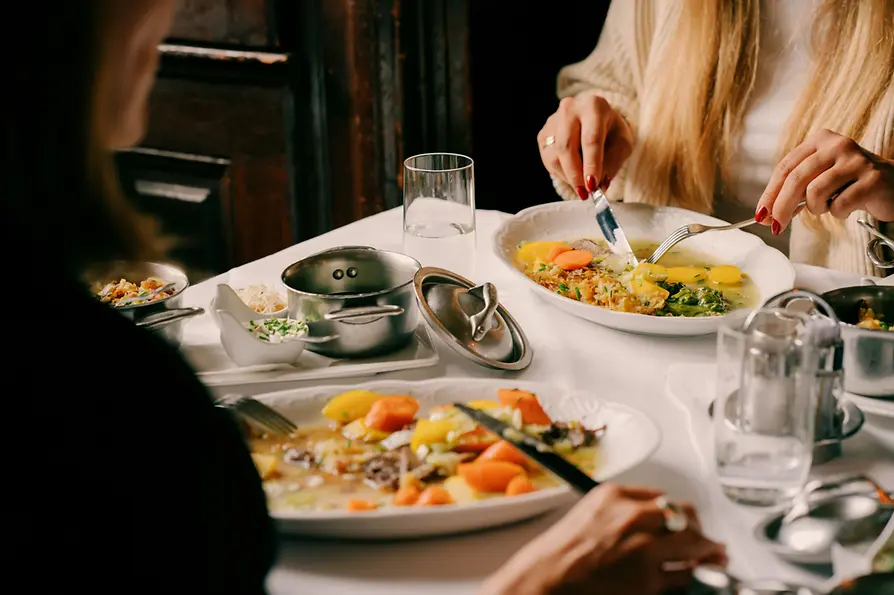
pixel 548 154
pixel 851 198
pixel 568 128
pixel 777 180
pixel 594 118
pixel 825 188
pixel 794 188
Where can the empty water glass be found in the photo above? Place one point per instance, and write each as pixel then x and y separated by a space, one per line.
pixel 439 211
pixel 765 407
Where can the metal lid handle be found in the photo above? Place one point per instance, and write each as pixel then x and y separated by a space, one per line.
pixel 483 321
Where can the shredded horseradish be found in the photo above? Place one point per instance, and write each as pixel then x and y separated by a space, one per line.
pixel 261 299
pixel 277 330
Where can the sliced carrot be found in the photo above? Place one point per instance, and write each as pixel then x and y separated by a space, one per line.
pixel 360 505
pixel 434 496
pixel 489 476
pixel 573 259
pixel 527 403
pixel 407 495
pixel 390 414
pixel 555 251
pixel 520 484
pixel 503 451
pixel 476 440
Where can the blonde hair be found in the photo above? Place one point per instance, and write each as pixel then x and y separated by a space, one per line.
pixel 709 69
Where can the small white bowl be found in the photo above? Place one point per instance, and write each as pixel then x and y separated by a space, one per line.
pixel 227 299
pixel 230 314
pixel 247 350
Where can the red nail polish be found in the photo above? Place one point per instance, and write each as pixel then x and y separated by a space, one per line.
pixel 761 214
pixel 606 182
pixel 582 193
pixel 591 183
pixel 775 227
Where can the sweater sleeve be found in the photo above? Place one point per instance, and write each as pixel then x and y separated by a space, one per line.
pixel 615 70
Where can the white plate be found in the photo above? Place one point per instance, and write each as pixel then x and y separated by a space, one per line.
pixel 768 268
pixel 630 438
pixel 872 405
pixel 215 368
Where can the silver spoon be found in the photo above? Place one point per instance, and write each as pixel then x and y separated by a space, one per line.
pixel 694 229
pixel 715 580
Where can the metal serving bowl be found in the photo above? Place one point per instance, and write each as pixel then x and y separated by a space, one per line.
pixel 164 316
pixel 361 297
pixel 868 354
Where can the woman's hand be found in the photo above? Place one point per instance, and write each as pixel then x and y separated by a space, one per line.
pixel 613 542
pixel 585 142
pixel 833 174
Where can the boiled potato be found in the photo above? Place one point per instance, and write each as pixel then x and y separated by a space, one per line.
pixel 430 432
pixel 266 464
pixel 357 430
pixel 350 405
pixel 686 274
pixel 461 491
pixel 725 275
pixel 643 288
pixel 534 251
pixel 650 272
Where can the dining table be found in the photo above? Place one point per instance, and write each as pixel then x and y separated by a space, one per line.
pixel 568 351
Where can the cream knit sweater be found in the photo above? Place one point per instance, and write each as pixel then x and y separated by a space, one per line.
pixel 618 68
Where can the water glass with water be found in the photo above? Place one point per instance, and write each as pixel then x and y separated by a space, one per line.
pixel 439 211
pixel 765 407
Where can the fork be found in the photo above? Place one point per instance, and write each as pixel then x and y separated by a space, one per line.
pixel 694 229
pixel 258 413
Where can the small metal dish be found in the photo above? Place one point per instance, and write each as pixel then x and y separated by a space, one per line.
pixel 164 316
pixel 843 518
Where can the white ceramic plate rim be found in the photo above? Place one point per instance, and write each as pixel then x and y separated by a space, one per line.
pixel 545 495
pixel 759 245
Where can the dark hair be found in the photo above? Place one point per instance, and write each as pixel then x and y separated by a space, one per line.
pixel 61 200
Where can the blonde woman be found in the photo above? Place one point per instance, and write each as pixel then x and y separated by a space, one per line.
pixel 739 109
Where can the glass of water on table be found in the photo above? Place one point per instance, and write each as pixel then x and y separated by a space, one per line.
pixel 764 412
pixel 439 211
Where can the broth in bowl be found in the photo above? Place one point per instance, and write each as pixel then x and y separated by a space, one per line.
pixel 684 284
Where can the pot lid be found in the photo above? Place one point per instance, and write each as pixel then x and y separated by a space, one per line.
pixel 470 319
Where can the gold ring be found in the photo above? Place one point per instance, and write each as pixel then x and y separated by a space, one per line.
pixel 675 519
pixel 550 140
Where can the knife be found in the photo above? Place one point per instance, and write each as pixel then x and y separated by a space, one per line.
pixel 612 231
pixel 534 448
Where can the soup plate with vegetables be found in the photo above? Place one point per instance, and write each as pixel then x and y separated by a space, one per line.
pixel 558 249
pixel 395 459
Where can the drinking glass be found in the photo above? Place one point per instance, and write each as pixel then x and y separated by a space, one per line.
pixel 439 211
pixel 765 407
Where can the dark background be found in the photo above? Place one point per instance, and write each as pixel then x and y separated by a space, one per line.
pixel 277 120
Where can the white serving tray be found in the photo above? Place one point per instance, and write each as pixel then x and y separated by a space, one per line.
pixel 214 368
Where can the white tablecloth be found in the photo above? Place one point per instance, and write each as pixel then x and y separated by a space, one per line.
pixel 616 366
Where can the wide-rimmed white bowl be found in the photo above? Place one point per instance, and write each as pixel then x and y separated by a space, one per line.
pixel 630 438
pixel 768 268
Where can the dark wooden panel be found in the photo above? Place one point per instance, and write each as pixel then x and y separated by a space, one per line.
pixel 189 196
pixel 248 126
pixel 236 22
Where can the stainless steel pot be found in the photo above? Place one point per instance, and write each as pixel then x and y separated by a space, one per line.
pixel 868 354
pixel 362 297
pixel 163 316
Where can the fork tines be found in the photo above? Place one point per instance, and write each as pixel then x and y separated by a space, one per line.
pixel 258 413
pixel 677 236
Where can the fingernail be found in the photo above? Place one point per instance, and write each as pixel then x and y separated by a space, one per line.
pixel 761 214
pixel 606 182
pixel 591 183
pixel 582 193
pixel 775 227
